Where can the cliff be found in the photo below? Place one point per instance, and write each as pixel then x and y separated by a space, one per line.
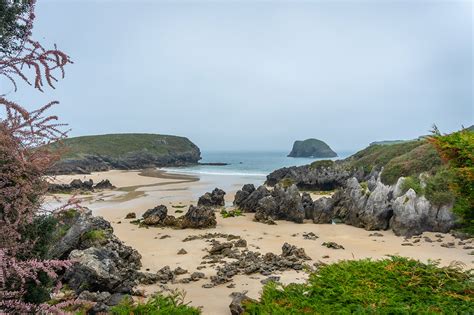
pixel 123 151
pixel 312 148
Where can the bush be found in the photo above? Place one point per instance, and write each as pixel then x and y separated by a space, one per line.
pixel 457 151
pixel 390 286
pixel 172 304
pixel 437 188
pixel 95 236
pixel 286 182
pixel 412 183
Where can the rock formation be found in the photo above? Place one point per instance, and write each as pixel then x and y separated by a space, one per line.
pixel 197 217
pixel 78 185
pixel 124 151
pixel 212 199
pixel 311 148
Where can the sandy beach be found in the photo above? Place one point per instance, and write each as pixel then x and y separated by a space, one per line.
pixel 138 191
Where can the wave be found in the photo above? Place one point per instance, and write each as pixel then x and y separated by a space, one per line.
pixel 201 172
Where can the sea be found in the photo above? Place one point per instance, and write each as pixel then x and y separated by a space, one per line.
pixel 249 166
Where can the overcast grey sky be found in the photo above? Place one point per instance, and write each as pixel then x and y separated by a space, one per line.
pixel 259 75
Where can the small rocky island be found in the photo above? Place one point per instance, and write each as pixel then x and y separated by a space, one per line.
pixel 311 148
pixel 86 154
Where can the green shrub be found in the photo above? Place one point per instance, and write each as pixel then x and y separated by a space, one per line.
pixel 437 188
pixel 390 286
pixel 457 150
pixel 286 182
pixel 231 213
pixel 321 164
pixel 411 182
pixel 95 236
pixel 172 304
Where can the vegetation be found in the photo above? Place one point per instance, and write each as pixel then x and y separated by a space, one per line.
pixel 95 236
pixel 231 213
pixel 286 182
pixel 119 145
pixel 411 182
pixel 390 286
pixel 13 31
pixel 27 277
pixel 457 151
pixel 172 304
pixel 321 164
pixel 400 159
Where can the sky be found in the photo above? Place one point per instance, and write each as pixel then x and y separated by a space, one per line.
pixel 258 75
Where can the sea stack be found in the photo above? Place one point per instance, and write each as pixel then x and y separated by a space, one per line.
pixel 312 148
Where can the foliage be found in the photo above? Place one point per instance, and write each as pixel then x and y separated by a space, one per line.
pixel 158 304
pixel 457 151
pixel 231 213
pixel 286 182
pixel 321 164
pixel 23 163
pixel 400 159
pixel 390 286
pixel 437 188
pixel 117 145
pixel 95 236
pixel 14 31
pixel 411 182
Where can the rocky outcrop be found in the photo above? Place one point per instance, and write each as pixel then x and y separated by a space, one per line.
pixel 104 269
pixel 238 301
pixel 311 148
pixel 212 199
pixel 128 151
pixel 197 217
pixel 78 185
pixel 248 197
pixel 376 206
pixel 282 204
pixel 413 215
pixel 314 177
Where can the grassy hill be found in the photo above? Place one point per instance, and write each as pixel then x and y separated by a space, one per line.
pixel 400 159
pixel 116 145
pixel 124 151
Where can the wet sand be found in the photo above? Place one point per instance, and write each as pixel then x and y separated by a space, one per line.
pixel 139 191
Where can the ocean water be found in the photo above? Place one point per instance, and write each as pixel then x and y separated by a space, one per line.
pixel 254 164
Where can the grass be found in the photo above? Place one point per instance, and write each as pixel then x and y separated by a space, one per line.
pixel 231 213
pixel 95 235
pixel 118 145
pixel 320 164
pixel 158 304
pixel 391 286
pixel 400 159
pixel 286 182
pixel 411 182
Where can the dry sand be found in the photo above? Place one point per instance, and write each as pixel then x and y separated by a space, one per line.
pixel 137 193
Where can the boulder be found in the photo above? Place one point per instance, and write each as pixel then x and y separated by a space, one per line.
pixel 282 204
pixel 322 210
pixel 307 203
pixel 238 300
pixel 155 216
pixel 250 203
pixel 212 199
pixel 104 184
pixel 414 215
pixel 198 217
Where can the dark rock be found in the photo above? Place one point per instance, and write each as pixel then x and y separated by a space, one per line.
pixel 311 148
pixel 291 250
pixel 307 203
pixel 283 204
pixel 241 243
pixel 310 236
pixel 212 199
pixel 179 271
pixel 332 245
pixel 198 217
pixel 195 276
pixel 182 251
pixel 104 184
pixel 270 279
pixel 155 216
pixel 131 215
pixel 237 306
pixel 253 196
pixel 309 177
